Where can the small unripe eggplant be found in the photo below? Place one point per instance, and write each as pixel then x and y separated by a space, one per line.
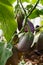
pixel 40 43
pixel 25 43
pixel 20 18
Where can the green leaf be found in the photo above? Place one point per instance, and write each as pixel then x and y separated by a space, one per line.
pixel 33 1
pixel 36 13
pixel 30 1
pixel 8 1
pixel 5 2
pixel 41 12
pixel 41 1
pixel 5 52
pixel 11 1
pixel 41 23
pixel 7 22
pixel 30 6
pixel 25 1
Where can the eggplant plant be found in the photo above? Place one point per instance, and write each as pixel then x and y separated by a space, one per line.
pixel 18 17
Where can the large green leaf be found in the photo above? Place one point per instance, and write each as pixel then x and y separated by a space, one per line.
pixel 11 1
pixel 7 21
pixel 5 52
pixel 5 2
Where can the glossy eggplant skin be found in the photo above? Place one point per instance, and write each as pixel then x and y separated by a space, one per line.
pixel 28 26
pixel 25 43
pixel 31 26
pixel 40 42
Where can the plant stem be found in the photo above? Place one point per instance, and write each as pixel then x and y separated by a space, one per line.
pixel 23 8
pixel 33 9
pixel 15 35
pixel 12 38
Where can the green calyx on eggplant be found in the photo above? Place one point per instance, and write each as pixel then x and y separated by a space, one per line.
pixel 20 18
pixel 40 43
pixel 25 43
